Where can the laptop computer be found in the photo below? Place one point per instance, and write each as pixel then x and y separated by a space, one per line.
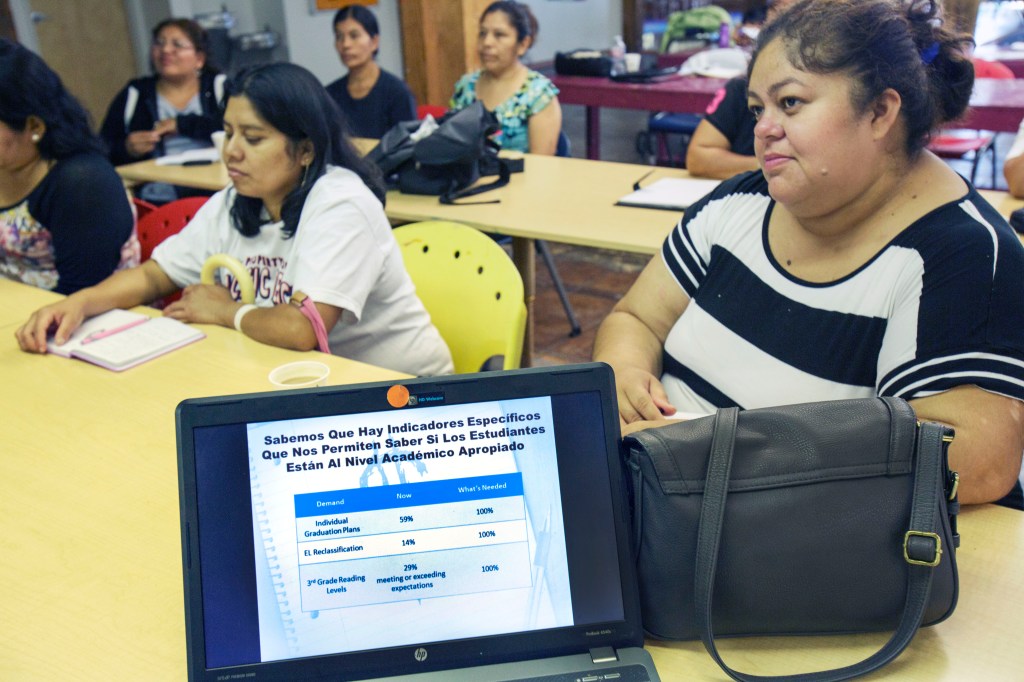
pixel 468 527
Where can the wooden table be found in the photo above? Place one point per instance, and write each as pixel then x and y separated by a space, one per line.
pixel 211 177
pixel 558 199
pixel 91 545
pixel 675 93
pixel 1013 59
pixel 90 549
pixel 996 104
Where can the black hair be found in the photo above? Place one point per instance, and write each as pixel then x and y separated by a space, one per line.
pixel 519 15
pixel 28 87
pixel 360 15
pixel 293 101
pixel 882 44
pixel 196 34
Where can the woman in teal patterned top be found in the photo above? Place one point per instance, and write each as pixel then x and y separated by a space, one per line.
pixel 525 102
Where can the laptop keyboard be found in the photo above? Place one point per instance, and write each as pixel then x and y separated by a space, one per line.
pixel 629 673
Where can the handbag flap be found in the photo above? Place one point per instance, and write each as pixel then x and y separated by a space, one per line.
pixel 461 138
pixel 783 446
pixel 394 148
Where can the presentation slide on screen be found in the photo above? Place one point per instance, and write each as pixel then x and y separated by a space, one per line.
pixel 371 530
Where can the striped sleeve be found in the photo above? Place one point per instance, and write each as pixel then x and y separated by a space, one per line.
pixel 968 327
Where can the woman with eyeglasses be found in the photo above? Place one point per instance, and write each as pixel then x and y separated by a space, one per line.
pixel 170 112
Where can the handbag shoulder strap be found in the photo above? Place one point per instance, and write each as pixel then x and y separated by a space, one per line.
pixel 920 546
pixel 504 175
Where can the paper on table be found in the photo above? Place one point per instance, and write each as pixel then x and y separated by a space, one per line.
pixel 674 194
pixel 204 155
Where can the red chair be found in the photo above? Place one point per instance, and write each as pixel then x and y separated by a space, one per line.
pixel 972 145
pixel 435 110
pixel 161 222
pixel 142 208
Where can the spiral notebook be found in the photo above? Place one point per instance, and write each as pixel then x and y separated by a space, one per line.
pixel 468 527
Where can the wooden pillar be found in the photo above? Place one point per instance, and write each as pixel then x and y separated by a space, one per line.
pixel 7 23
pixel 438 45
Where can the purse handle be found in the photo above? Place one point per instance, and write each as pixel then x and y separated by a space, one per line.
pixel 924 523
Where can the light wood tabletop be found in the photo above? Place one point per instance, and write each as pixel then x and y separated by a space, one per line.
pixel 558 199
pixel 90 550
pixel 210 177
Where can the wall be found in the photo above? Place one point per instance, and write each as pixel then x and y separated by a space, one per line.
pixel 565 26
pixel 310 38
pixel 307 37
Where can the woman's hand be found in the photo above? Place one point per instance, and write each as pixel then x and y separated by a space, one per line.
pixel 141 142
pixel 64 316
pixel 641 397
pixel 168 126
pixel 205 304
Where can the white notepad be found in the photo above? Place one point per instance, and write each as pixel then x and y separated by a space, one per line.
pixel 201 156
pixel 675 194
pixel 119 339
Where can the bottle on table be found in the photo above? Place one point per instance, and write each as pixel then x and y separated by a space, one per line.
pixel 618 54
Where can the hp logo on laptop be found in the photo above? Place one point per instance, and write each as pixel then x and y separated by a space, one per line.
pixel 421 654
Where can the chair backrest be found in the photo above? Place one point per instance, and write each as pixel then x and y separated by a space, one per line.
pixel 163 221
pixel 564 147
pixel 470 287
pixel 435 110
pixel 142 208
pixel 984 68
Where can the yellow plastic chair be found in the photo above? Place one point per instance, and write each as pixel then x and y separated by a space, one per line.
pixel 470 287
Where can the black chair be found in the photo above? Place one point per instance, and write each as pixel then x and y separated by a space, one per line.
pixel 655 144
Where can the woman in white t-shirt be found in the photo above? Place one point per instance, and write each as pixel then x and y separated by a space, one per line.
pixel 305 217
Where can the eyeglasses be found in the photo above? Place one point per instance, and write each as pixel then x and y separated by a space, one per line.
pixel 176 45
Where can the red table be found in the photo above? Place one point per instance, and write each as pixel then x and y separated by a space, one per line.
pixel 996 104
pixel 1014 59
pixel 676 93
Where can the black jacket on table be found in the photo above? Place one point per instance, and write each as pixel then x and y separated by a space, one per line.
pixel 135 108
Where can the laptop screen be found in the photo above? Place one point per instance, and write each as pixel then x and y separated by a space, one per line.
pixel 379 530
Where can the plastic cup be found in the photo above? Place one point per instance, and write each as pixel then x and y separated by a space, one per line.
pixel 301 374
pixel 632 62
pixel 217 138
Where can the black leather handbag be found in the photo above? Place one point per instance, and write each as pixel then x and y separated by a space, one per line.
pixel 448 162
pixel 821 518
pixel 583 62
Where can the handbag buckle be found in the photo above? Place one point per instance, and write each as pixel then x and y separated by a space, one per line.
pixel 937 553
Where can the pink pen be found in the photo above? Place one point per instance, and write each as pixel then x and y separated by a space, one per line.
pixel 104 333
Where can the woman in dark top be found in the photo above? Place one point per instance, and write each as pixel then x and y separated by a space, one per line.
pixel 65 220
pixel 170 112
pixel 372 99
